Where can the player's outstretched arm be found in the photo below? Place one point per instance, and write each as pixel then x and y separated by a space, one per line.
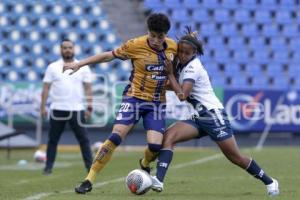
pixel 182 91
pixel 99 58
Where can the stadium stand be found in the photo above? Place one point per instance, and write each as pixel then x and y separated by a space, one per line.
pixel 239 33
pixel 32 30
pixel 248 43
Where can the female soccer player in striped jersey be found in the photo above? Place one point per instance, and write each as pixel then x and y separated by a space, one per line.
pixel 143 97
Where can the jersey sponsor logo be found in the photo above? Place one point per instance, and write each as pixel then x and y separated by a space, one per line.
pixel 188 71
pixel 158 77
pixel 154 68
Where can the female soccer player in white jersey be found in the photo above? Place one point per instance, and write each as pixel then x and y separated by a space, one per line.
pixel 211 119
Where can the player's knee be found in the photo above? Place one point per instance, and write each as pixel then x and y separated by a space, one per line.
pixel 115 138
pixel 154 147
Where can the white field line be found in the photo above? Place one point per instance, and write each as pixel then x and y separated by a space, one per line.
pixel 100 184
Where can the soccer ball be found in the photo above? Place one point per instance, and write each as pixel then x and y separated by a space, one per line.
pixel 40 156
pixel 96 146
pixel 138 182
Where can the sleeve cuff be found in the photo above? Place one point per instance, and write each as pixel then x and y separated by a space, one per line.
pixel 116 56
pixel 189 80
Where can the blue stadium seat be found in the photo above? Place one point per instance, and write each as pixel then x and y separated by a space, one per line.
pixel 278 43
pixel 191 4
pixel 230 4
pixel 280 83
pixel 180 15
pixel 263 16
pixel 213 4
pixel 236 43
pixel 239 82
pixel 221 55
pixel 280 56
pixel 291 30
pixel 260 82
pixel 295 44
pixel 268 4
pixel 283 17
pixel 216 42
pixel 229 30
pixel 218 81
pixel 296 57
pixel 242 16
pixel 211 67
pixel 200 15
pixel 256 43
pixel 270 30
pixel 249 4
pixel 222 16
pixel 206 58
pixel 261 56
pixel 294 70
pixel 250 30
pixel 297 84
pixel 274 69
pixel 241 55
pixel 231 68
pixel 150 4
pixel 253 69
pixel 173 4
pixel 289 4
pixel 208 29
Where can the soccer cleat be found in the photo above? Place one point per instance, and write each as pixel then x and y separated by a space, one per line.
pixel 147 169
pixel 273 188
pixel 84 187
pixel 47 172
pixel 157 185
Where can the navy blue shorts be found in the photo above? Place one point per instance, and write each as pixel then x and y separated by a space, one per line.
pixel 213 122
pixel 132 109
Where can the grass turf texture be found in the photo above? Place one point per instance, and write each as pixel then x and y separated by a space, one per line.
pixel 208 180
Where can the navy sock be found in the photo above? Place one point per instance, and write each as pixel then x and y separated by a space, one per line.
pixel 164 159
pixel 115 138
pixel 258 173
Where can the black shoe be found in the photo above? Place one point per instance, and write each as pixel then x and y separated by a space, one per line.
pixel 147 169
pixel 84 187
pixel 47 172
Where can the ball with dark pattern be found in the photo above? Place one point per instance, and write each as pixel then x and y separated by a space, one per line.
pixel 138 182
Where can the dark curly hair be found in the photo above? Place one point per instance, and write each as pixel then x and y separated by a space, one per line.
pixel 159 23
pixel 192 39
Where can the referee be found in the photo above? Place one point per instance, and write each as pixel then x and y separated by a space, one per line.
pixel 67 94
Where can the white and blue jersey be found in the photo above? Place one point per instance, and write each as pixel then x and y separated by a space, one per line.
pixel 211 118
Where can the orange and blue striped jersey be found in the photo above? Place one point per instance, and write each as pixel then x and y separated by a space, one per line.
pixel 148 79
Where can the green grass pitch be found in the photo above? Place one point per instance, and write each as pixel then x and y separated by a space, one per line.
pixel 194 174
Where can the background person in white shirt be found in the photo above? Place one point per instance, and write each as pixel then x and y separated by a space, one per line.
pixel 68 104
pixel 210 118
